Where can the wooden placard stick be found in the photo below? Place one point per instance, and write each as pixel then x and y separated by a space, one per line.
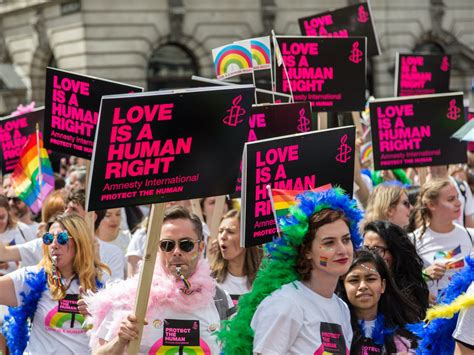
pixel 356 119
pixel 322 121
pixel 217 215
pixel 196 208
pixel 146 273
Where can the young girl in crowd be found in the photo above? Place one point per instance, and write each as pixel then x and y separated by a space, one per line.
pixel 292 308
pixel 393 244
pixel 234 267
pixel 442 244
pixel 379 311
pixel 388 201
pixel 69 261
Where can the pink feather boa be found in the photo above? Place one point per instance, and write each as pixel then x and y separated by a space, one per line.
pixel 117 300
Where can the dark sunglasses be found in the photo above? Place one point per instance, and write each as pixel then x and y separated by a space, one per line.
pixel 186 245
pixel 377 250
pixel 406 203
pixel 14 199
pixel 62 237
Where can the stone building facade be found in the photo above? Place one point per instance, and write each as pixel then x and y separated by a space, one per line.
pixel 161 43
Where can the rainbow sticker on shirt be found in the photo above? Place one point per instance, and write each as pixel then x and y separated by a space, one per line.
pixel 159 349
pixel 64 322
pixel 448 254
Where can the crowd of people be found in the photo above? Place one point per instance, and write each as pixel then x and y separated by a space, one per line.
pixel 356 276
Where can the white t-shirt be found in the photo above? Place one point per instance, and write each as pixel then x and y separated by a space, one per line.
pixel 467 204
pixel 297 320
pixel 31 253
pixel 465 327
pixel 122 240
pixel 52 332
pixel 15 236
pixel 447 248
pixel 153 334
pixel 137 244
pixel 235 286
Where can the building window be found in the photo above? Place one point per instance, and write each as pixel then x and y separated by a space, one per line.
pixel 171 66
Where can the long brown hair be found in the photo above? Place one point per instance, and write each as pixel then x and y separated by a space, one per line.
pixel 86 265
pixel 253 258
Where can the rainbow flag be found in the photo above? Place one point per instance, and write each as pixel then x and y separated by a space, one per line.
pixel 276 48
pixel 448 254
pixel 282 200
pixel 232 59
pixel 29 185
pixel 261 54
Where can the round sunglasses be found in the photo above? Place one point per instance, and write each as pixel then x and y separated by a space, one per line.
pixel 186 245
pixel 62 238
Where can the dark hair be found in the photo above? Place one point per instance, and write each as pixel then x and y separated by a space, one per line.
pixel 11 223
pixel 253 258
pixel 407 266
pixel 77 195
pixel 317 220
pixel 180 212
pixel 100 216
pixel 227 201
pixel 393 305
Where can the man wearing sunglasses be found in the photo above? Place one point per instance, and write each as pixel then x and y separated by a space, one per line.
pixel 184 302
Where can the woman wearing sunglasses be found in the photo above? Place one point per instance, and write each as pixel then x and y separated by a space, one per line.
pixel 389 201
pixel 406 267
pixel 379 311
pixel 46 295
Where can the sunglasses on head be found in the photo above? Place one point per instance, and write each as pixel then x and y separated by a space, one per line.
pixel 186 245
pixel 62 237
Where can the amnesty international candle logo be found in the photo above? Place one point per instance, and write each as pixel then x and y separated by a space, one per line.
pixel 362 15
pixel 445 64
pixel 454 112
pixel 304 124
pixel 344 150
pixel 356 54
pixel 235 113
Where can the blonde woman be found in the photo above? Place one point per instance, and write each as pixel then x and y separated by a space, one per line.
pixel 47 293
pixel 388 202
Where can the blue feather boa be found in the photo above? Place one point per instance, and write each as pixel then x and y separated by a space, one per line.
pixel 379 332
pixel 436 337
pixel 16 326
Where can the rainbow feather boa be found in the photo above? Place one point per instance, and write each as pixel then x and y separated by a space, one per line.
pixel 279 267
pixel 436 335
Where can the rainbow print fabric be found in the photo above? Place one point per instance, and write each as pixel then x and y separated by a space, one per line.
pixel 282 200
pixel 261 54
pixel 233 59
pixel 29 185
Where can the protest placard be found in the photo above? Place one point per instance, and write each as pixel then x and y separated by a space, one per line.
pixel 14 132
pixel 328 72
pixel 349 21
pixel 416 131
pixel 72 103
pixel 297 162
pixel 422 74
pixel 169 145
pixel 273 120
